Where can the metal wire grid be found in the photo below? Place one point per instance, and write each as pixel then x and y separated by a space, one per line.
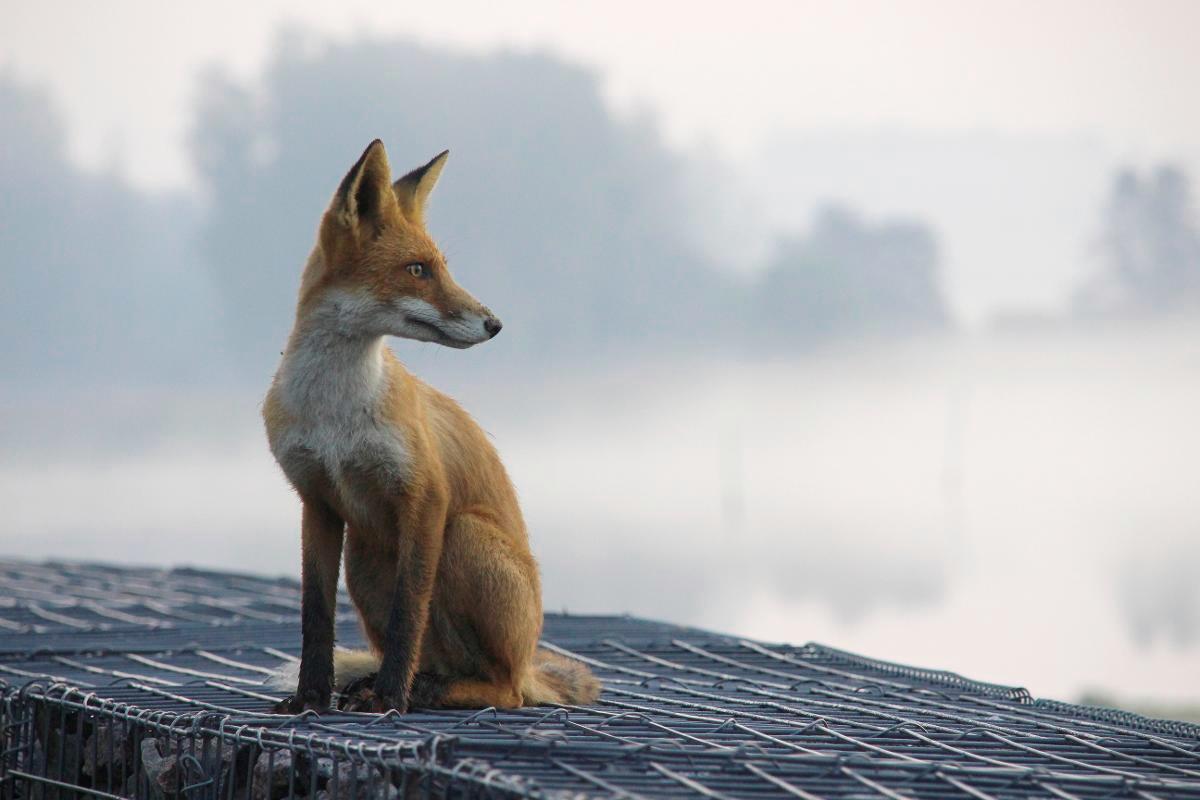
pixel 685 713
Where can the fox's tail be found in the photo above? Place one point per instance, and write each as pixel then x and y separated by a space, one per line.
pixel 348 666
pixel 556 680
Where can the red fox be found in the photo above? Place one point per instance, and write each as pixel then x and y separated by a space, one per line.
pixel 399 477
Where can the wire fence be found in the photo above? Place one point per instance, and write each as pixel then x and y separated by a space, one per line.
pixel 148 684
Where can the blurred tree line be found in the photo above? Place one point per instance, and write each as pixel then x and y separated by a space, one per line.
pixel 99 280
pixel 573 225
pixel 577 227
pixel 847 277
pixel 1148 248
pixel 580 228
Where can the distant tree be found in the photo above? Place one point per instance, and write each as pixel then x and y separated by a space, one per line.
pixel 849 278
pixel 97 283
pixel 565 220
pixel 1149 247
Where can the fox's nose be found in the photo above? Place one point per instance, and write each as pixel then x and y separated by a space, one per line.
pixel 492 326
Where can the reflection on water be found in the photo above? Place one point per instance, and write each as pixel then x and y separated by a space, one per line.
pixel 1025 510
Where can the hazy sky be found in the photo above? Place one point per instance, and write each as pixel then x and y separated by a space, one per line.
pixel 721 75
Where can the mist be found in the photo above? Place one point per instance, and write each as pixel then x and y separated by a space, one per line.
pixel 934 415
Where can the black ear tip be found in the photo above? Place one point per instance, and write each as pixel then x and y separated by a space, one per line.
pixel 375 144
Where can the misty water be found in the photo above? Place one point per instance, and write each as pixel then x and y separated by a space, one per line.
pixel 1019 507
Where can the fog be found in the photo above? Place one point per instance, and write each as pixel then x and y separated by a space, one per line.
pixel 803 423
pixel 1016 214
pixel 1017 508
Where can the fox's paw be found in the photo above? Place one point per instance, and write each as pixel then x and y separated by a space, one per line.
pixel 302 701
pixel 354 687
pixel 427 690
pixel 366 700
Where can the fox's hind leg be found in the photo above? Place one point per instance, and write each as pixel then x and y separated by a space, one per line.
pixel 484 620
pixel 486 616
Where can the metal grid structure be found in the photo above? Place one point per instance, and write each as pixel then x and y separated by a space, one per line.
pixel 122 682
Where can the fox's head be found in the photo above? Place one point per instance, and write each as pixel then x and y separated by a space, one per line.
pixel 377 272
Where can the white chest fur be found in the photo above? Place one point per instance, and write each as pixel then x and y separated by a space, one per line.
pixel 332 388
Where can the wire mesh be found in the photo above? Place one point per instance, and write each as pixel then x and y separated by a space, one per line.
pixel 122 682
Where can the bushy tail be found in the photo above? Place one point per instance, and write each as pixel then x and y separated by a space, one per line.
pixel 557 680
pixel 348 665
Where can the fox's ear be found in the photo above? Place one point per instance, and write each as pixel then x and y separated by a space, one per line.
pixel 412 191
pixel 364 197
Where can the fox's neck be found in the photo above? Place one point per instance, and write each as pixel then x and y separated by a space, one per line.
pixel 329 371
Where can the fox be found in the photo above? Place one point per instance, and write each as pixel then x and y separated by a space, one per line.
pixel 400 482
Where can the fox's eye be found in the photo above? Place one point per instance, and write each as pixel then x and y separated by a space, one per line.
pixel 416 270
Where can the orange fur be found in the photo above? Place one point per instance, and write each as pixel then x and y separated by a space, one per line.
pixel 437 557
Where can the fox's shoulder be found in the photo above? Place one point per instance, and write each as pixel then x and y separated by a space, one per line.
pixel 462 442
pixel 440 408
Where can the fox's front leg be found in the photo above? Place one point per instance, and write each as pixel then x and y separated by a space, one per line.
pixel 419 551
pixel 321 533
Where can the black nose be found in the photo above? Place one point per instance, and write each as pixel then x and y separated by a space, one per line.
pixel 492 326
